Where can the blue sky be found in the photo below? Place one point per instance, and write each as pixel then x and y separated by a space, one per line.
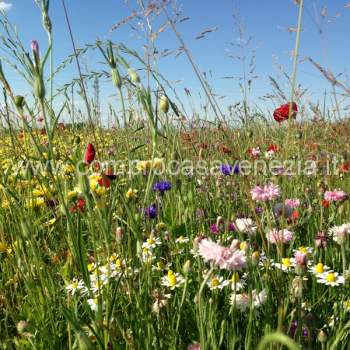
pixel 265 20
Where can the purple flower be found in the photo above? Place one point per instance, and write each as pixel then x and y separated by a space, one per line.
pixel 162 186
pixel 231 227
pixel 227 169
pixel 214 229
pixel 151 211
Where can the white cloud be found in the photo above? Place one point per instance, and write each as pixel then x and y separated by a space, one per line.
pixel 4 6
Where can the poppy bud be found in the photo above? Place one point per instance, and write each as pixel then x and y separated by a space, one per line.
pixel 134 76
pixel 164 104
pixel 19 102
pixel 89 154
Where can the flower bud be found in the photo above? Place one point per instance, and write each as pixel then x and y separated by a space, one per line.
pixel 164 104
pixel 187 267
pixel 19 102
pixel 39 87
pixel 21 326
pixel 255 257
pixel 116 79
pixel 322 336
pixel 134 76
pixel 119 233
pixel 35 47
pixel 235 244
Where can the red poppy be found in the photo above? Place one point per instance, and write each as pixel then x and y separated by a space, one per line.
pixel 272 148
pixel 345 167
pixel 282 113
pixel 89 154
pixel 325 203
pixel 80 205
pixel 104 181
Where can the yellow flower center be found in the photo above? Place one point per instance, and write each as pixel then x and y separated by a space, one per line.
pixel 215 282
pixel 150 241
pixel 331 277
pixel 286 262
pixel 319 268
pixel 75 285
pixel 171 278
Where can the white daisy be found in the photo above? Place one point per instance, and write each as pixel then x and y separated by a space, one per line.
pixel 151 242
pixel 331 278
pixel 172 280
pixel 76 287
pixel 182 240
pixel 217 283
pixel 318 269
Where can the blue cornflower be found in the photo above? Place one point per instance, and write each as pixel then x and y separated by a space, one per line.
pixel 151 211
pixel 228 169
pixel 162 186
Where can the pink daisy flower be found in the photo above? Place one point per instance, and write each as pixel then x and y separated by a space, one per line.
pixel 292 203
pixel 280 236
pixel 265 193
pixel 335 196
pixel 224 257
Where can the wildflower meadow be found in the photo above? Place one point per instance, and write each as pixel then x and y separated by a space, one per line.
pixel 167 226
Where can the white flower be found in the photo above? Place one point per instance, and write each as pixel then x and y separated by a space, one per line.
pixel 287 264
pixel 245 225
pixel 172 280
pixel 318 269
pixel 76 287
pixel 217 283
pixel 240 301
pixel 237 283
pixel 244 300
pixel 151 243
pixel 93 303
pixel 340 233
pixel 331 278
pixel 182 240
pixel 147 255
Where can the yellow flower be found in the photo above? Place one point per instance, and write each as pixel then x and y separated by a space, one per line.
pixel 214 282
pixel 131 193
pixel 286 262
pixel 143 165
pixel 331 277
pixel 35 202
pixel 319 268
pixel 72 194
pixel 171 278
